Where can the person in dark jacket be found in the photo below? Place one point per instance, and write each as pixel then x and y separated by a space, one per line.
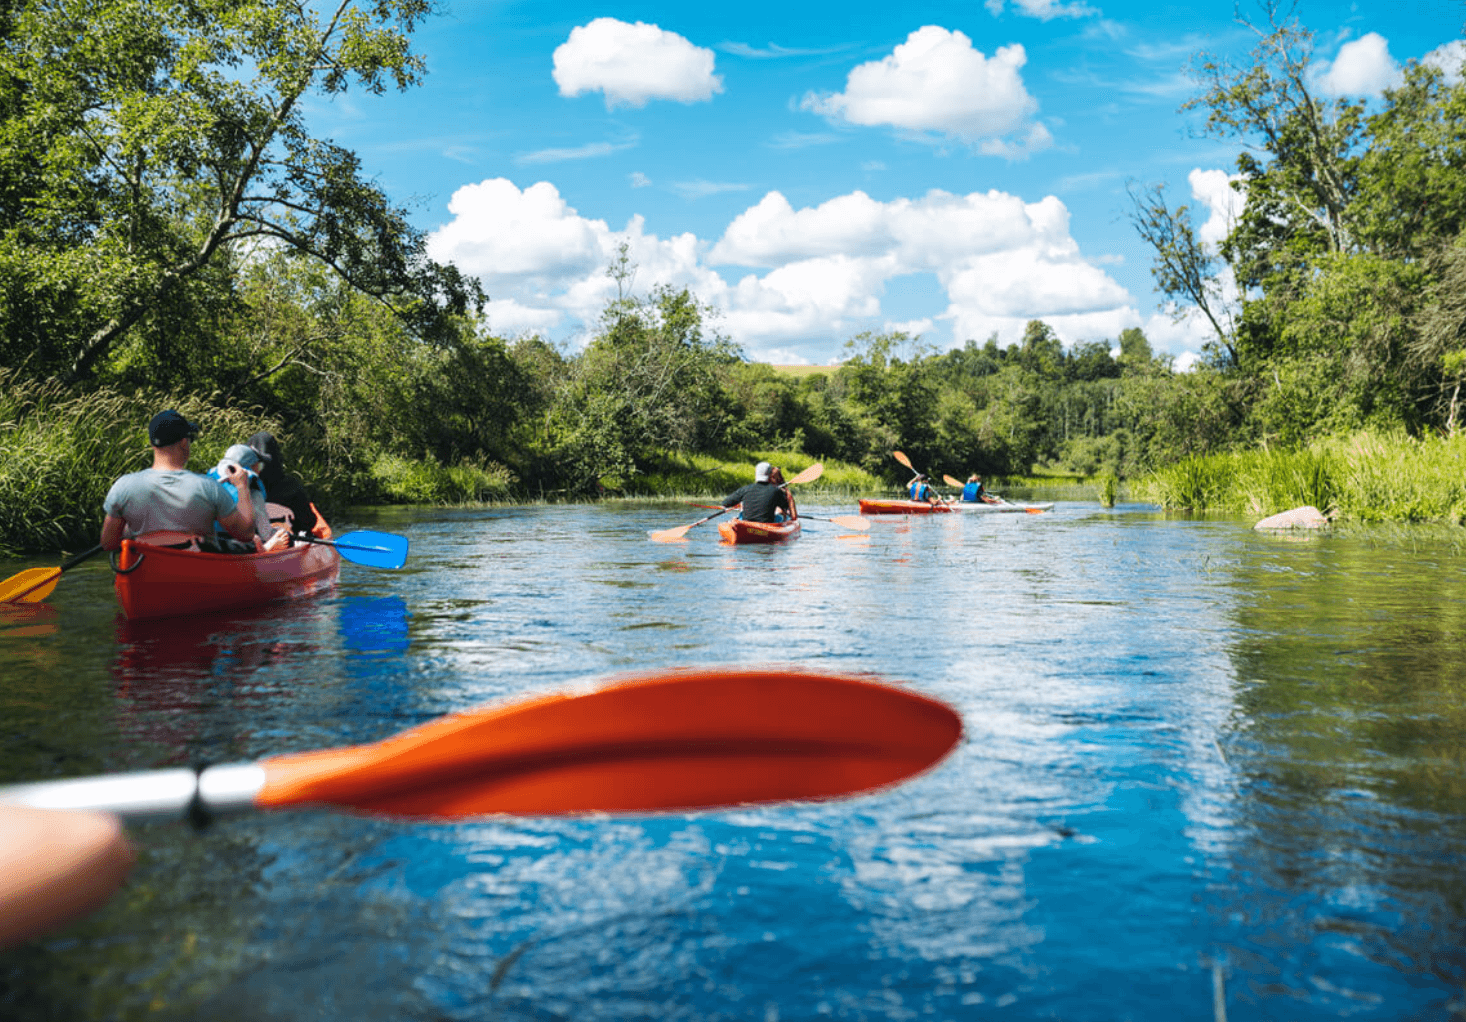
pixel 286 490
pixel 762 500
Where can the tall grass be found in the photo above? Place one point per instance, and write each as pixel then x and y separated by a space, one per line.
pixel 1367 477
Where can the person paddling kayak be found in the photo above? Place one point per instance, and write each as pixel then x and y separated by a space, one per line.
pixel 762 499
pixel 920 490
pixel 169 498
pixel 974 491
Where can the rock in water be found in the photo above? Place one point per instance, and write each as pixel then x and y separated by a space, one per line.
pixel 1306 517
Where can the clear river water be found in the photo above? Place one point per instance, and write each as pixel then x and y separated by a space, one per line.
pixel 1206 773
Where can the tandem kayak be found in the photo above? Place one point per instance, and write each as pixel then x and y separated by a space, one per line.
pixel 1000 506
pixel 154 580
pixel 879 506
pixel 739 531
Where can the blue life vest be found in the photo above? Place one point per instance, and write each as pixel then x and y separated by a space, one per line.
pixel 972 492
pixel 919 490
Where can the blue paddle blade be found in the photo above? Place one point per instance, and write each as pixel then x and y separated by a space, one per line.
pixel 375 549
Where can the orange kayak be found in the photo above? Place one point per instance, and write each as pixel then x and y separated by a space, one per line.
pixel 739 531
pixel 877 506
pixel 158 581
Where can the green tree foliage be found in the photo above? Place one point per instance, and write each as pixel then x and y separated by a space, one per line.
pixel 149 146
pixel 1342 248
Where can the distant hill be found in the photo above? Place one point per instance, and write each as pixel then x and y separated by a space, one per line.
pixel 804 370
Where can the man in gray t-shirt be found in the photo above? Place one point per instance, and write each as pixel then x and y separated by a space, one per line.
pixel 168 497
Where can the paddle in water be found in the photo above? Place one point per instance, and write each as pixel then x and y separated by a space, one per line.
pixel 374 549
pixel 35 584
pixel 668 741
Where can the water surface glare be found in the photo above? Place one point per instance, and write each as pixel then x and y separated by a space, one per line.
pixel 1200 764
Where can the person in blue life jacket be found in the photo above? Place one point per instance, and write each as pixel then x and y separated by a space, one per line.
pixel 974 491
pixel 249 462
pixel 921 490
pixel 762 500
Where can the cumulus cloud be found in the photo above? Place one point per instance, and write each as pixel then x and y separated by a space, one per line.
pixel 1224 203
pixel 808 278
pixel 633 64
pixel 1363 67
pixel 1449 59
pixel 1045 10
pixel 936 81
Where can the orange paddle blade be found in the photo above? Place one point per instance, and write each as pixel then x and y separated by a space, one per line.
pixel 29 586
pixel 676 740
pixel 902 459
pixel 809 475
pixel 670 535
pixel 952 481
pixel 852 522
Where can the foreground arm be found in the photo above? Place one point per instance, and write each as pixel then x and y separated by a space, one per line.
pixel 240 523
pixel 56 866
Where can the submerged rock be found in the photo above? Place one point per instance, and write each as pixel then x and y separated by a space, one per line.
pixel 1306 517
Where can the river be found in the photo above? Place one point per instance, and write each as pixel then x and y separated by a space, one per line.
pixel 1205 770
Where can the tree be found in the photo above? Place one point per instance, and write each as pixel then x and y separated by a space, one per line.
pixel 145 142
pixel 1185 270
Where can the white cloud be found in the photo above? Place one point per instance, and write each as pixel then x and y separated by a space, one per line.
pixel 1448 59
pixel 639 180
pixel 937 82
pixel 819 273
pixel 584 152
pixel 1045 10
pixel 1225 203
pixel 702 189
pixel 633 64
pixel 1363 67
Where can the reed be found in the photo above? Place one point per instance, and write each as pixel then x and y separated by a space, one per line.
pixel 1366 477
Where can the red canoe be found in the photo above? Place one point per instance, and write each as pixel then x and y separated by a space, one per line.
pixel 877 506
pixel 158 581
pixel 739 531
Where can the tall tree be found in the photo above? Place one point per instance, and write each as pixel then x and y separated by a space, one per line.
pixel 146 141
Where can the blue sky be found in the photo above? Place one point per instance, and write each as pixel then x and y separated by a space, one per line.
pixel 819 169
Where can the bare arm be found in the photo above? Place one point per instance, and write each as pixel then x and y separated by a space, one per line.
pixel 56 866
pixel 112 527
pixel 240 523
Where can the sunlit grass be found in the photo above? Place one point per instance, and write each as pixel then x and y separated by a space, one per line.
pixel 1367 477
pixel 703 475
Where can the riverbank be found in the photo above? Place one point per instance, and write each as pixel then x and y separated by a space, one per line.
pixel 1366 477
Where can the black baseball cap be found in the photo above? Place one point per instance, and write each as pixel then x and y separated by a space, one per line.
pixel 168 427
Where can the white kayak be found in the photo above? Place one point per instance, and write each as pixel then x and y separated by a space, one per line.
pixel 1000 506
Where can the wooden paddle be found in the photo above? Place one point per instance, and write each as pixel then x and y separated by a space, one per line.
pixel 35 584
pixel 660 741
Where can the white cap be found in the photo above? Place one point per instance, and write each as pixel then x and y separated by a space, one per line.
pixel 246 456
pixel 762 471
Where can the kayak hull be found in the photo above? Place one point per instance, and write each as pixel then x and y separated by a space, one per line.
pixel 878 506
pixel 740 532
pixel 982 506
pixel 157 581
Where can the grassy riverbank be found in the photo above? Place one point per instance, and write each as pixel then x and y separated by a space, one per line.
pixel 1367 477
